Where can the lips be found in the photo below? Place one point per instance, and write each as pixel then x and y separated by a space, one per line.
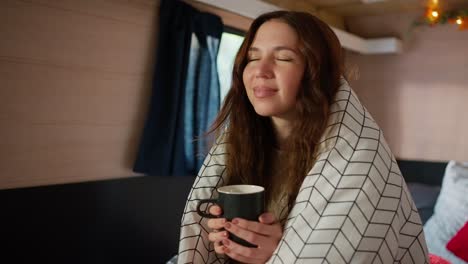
pixel 264 91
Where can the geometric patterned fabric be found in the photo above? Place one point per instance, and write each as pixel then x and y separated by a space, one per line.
pixel 352 207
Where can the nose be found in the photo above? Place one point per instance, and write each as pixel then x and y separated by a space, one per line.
pixel 263 69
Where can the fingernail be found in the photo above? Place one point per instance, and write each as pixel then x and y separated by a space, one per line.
pixel 225 242
pixel 235 221
pixel 224 234
pixel 227 225
pixel 266 217
pixel 223 221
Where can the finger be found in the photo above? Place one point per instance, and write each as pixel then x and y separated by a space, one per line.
pixel 216 223
pixel 241 253
pixel 215 210
pixel 267 218
pixel 260 228
pixel 217 236
pixel 219 248
pixel 247 235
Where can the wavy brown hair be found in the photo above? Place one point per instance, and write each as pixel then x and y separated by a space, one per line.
pixel 250 138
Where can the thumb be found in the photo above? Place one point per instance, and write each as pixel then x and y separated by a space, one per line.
pixel 267 218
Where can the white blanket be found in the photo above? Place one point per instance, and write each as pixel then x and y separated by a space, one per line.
pixel 353 206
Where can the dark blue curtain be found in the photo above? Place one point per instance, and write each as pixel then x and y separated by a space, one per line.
pixel 185 96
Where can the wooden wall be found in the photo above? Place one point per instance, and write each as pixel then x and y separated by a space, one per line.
pixel 75 81
pixel 418 97
pixel 75 78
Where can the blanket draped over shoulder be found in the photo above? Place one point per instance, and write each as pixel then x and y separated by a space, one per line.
pixel 352 207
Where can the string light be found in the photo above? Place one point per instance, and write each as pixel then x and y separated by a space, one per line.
pixel 433 4
pixel 435 16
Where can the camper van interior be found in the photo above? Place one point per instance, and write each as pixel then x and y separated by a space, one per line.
pixel 77 85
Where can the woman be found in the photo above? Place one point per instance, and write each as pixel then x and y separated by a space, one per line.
pixel 292 124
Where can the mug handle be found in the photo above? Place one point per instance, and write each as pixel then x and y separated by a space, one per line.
pixel 203 214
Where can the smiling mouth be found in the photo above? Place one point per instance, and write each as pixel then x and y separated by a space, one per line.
pixel 264 92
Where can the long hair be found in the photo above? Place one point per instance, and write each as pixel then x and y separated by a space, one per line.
pixel 250 138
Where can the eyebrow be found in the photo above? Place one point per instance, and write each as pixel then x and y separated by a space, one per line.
pixel 278 48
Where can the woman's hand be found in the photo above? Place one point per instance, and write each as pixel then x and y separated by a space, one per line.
pixel 217 225
pixel 266 234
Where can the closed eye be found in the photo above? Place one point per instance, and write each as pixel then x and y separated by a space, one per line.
pixel 252 59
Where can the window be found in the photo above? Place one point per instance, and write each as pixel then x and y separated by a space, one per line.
pixel 231 41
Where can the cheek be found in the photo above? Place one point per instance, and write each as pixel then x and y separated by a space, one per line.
pixel 245 77
pixel 296 76
pixel 293 80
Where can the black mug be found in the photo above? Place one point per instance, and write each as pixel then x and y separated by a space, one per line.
pixel 243 201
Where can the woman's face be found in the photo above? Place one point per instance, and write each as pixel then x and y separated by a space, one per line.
pixel 274 71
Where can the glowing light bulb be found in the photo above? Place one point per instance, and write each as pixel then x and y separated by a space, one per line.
pixel 435 2
pixel 459 21
pixel 435 13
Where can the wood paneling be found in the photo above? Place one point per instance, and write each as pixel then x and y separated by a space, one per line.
pixel 417 97
pixel 75 82
pixel 74 86
pixel 351 8
pixel 330 18
pixel 229 19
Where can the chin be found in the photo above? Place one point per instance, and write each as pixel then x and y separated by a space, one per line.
pixel 265 112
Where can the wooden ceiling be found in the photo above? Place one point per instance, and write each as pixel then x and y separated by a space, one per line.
pixel 350 8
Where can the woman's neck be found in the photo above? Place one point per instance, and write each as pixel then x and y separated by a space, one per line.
pixel 282 130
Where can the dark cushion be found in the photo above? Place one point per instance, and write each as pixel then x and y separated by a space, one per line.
pixel 132 220
pixel 425 197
